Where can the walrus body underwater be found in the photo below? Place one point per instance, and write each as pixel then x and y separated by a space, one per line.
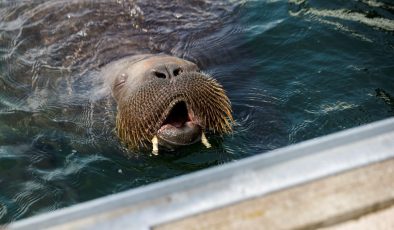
pixel 165 100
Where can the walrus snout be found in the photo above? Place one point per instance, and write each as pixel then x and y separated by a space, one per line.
pixel 179 128
pixel 165 100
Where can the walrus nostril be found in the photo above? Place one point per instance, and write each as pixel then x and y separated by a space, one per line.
pixel 177 71
pixel 160 75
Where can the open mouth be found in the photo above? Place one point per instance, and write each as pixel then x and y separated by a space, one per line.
pixel 178 115
pixel 179 128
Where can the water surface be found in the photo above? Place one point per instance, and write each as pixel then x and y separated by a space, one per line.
pixel 293 70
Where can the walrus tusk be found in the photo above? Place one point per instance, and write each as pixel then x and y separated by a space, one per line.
pixel 205 142
pixel 155 146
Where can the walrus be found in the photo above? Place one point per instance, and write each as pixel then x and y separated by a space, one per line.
pixel 166 101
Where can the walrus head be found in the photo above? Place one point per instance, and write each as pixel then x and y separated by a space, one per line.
pixel 167 100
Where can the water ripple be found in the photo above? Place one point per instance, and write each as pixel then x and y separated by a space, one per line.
pixel 73 166
pixel 378 22
pixel 31 193
pixel 373 14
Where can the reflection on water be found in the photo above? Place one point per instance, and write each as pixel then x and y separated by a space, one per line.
pixel 294 70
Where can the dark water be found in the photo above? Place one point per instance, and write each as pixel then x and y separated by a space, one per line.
pixel 294 70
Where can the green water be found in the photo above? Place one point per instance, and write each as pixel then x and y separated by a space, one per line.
pixel 293 70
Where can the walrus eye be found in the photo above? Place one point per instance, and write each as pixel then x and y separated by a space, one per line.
pixel 177 71
pixel 120 80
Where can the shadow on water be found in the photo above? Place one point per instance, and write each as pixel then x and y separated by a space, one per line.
pixel 293 70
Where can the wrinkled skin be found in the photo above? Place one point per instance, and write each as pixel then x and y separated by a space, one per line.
pixel 165 97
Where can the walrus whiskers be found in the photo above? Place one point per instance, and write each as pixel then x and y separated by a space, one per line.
pixel 138 125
